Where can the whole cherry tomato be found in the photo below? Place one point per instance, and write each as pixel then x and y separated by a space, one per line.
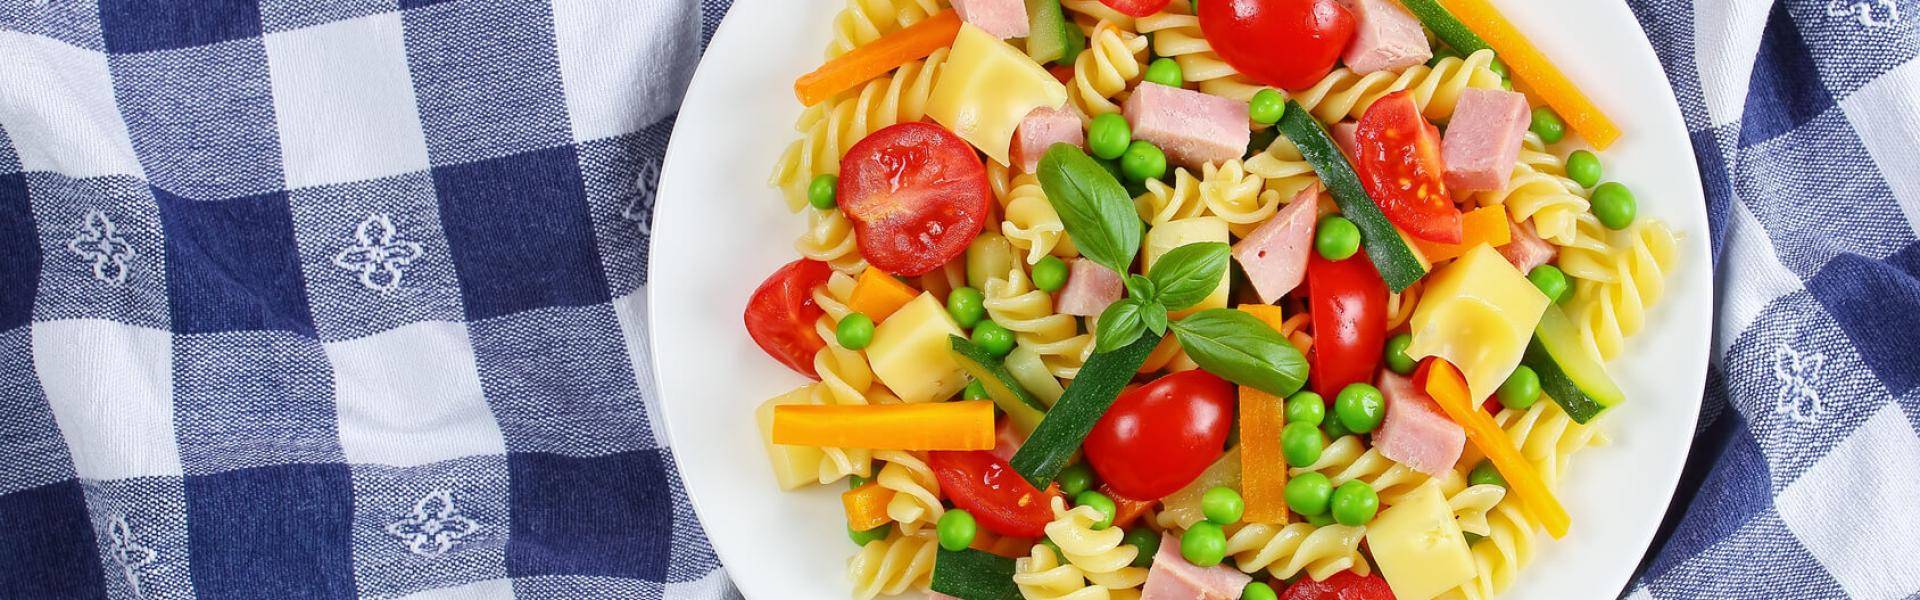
pixel 1401 167
pixel 1288 44
pixel 917 196
pixel 1158 437
pixel 780 315
pixel 1000 499
pixel 1349 306
pixel 1344 585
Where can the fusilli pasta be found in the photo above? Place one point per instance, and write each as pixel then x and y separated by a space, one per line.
pixel 1606 312
pixel 1540 190
pixel 1089 13
pixel 1099 554
pixel 1546 436
pixel 1162 203
pixel 916 498
pixel 1042 576
pixel 1031 224
pixel 829 239
pixel 1176 35
pixel 1288 550
pixel 1285 170
pixel 894 565
pixel 1113 60
pixel 864 21
pixel 1348 459
pixel 829 128
pixel 1344 94
pixel 1013 302
pixel 845 377
pixel 1236 196
pixel 1497 559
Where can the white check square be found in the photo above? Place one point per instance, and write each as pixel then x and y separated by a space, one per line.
pixel 1853 509
pixel 111 388
pixel 616 81
pixel 58 108
pixel 344 101
pixel 411 396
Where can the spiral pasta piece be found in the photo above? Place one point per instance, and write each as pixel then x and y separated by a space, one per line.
pixel 1014 303
pixel 1112 62
pixel 1042 576
pixel 1546 437
pixel 916 498
pixel 864 21
pixel 1099 554
pixel 1540 190
pixel 1497 559
pixel 1470 506
pixel 1286 171
pixel 1237 197
pixel 894 565
pixel 829 128
pixel 845 377
pixel 1031 224
pixel 829 239
pixel 1605 313
pixel 1344 94
pixel 1590 255
pixel 1176 35
pixel 1347 459
pixel 1288 550
pixel 1162 203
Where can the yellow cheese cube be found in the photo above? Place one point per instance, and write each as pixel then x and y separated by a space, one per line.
pixel 1478 313
pixel 986 88
pixel 1419 547
pixel 911 355
pixel 793 466
pixel 1180 232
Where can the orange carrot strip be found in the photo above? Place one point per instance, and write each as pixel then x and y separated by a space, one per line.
pixel 1484 225
pixel 1263 469
pixel 878 57
pixel 1126 510
pixel 1527 63
pixel 878 294
pixel 1448 389
pixel 867 506
pixel 966 425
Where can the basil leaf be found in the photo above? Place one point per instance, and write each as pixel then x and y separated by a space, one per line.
pixel 1156 318
pixel 1121 324
pixel 1188 274
pixel 1096 210
pixel 1242 349
pixel 1142 289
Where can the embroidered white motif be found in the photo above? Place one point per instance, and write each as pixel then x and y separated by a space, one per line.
pixel 130 555
pixel 1870 13
pixel 99 241
pixel 379 255
pixel 1799 374
pixel 639 207
pixel 434 526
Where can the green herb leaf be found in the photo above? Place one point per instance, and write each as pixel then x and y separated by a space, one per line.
pixel 1142 289
pixel 1186 275
pixel 1156 318
pixel 1096 210
pixel 1122 323
pixel 1242 349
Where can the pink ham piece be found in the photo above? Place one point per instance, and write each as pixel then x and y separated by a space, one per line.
pixel 1385 38
pixel 1415 432
pixel 1002 18
pixel 1043 128
pixel 1346 135
pixel 1275 254
pixel 1173 578
pixel 1090 289
pixel 1527 250
pixel 1483 139
pixel 1192 128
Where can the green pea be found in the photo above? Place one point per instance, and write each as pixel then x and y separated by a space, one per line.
pixel 855 481
pixel 1108 136
pixel 1500 68
pixel 854 332
pixel 1320 520
pixel 862 538
pixel 993 338
pixel 821 192
pixel 1267 106
pixel 1360 407
pixel 1204 544
pixel 1301 443
pixel 1485 473
pixel 1076 479
pixel 1583 167
pixel 956 529
pixel 1354 503
pixel 975 391
pixel 967 306
pixel 1258 591
pixel 1165 71
pixel 1336 238
pixel 1551 282
pixel 1334 429
pixel 1147 540
pixel 1614 204
pixel 1222 505
pixel 1050 274
pixel 1308 493
pixel 1548 125
pixel 1520 390
pixel 1099 502
pixel 1143 161
pixel 1306 407
pixel 1396 354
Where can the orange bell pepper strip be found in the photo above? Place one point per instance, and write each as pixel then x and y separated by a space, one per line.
pixel 1126 510
pixel 878 57
pixel 867 506
pixel 1530 66
pixel 1484 225
pixel 965 425
pixel 1263 468
pixel 877 294
pixel 1448 389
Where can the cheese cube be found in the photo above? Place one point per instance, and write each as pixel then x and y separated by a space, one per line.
pixel 986 89
pixel 793 466
pixel 1478 313
pixel 1419 547
pixel 911 355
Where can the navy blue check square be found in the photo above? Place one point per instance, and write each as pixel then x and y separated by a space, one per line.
pixel 20 272
pixel 201 118
pixel 533 251
pixel 590 516
pixel 104 250
pixel 272 532
pixel 1871 300
pixel 36 453
pixel 233 265
pixel 487 76
pixel 374 257
pixel 46 544
pixel 146 25
pixel 251 399
pixel 559 381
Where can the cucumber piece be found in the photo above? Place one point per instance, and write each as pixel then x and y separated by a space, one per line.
pixel 1093 391
pixel 1046 37
pixel 1076 42
pixel 1399 266
pixel 1445 26
pixel 1007 394
pixel 1570 374
pixel 974 575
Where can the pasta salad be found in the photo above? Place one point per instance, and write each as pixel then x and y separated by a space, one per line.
pixel 1303 299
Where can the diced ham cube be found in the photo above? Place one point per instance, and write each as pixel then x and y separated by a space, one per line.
pixel 1415 432
pixel 1006 439
pixel 1091 288
pixel 1173 578
pixel 1043 128
pixel 1002 18
pixel 1483 139
pixel 1275 254
pixel 1527 250
pixel 1192 128
pixel 1385 38
pixel 1346 135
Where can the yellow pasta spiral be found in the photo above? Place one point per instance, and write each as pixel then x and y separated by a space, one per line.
pixel 1031 224
pixel 1162 202
pixel 1236 196
pixel 1014 303
pixel 1347 459
pixel 1540 190
pixel 1100 554
pixel 1607 312
pixel 1285 170
pixel 1497 559
pixel 845 377
pixel 1344 94
pixel 894 565
pixel 1471 504
pixel 1288 550
pixel 1112 62
pixel 1176 35
pixel 1546 436
pixel 1041 575
pixel 864 21
pixel 829 239
pixel 916 498
pixel 829 128
pixel 1590 255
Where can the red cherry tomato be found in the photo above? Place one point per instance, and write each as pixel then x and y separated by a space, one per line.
pixel 1349 306
pixel 999 498
pixel 1158 437
pixel 1288 44
pixel 1344 585
pixel 1136 8
pixel 1400 165
pixel 781 313
pixel 916 194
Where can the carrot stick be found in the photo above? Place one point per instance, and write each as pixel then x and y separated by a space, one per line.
pixel 1487 224
pixel 867 506
pixel 1448 389
pixel 1263 470
pixel 1527 63
pixel 878 57
pixel 966 425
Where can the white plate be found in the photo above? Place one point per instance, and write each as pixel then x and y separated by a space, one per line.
pixel 718 230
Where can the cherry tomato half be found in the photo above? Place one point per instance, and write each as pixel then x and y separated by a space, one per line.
pixel 781 313
pixel 1400 165
pixel 999 498
pixel 1344 585
pixel 1288 44
pixel 917 195
pixel 1158 437
pixel 1136 8
pixel 1349 305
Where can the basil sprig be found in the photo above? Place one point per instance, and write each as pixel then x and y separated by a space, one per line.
pixel 1097 211
pixel 1240 348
